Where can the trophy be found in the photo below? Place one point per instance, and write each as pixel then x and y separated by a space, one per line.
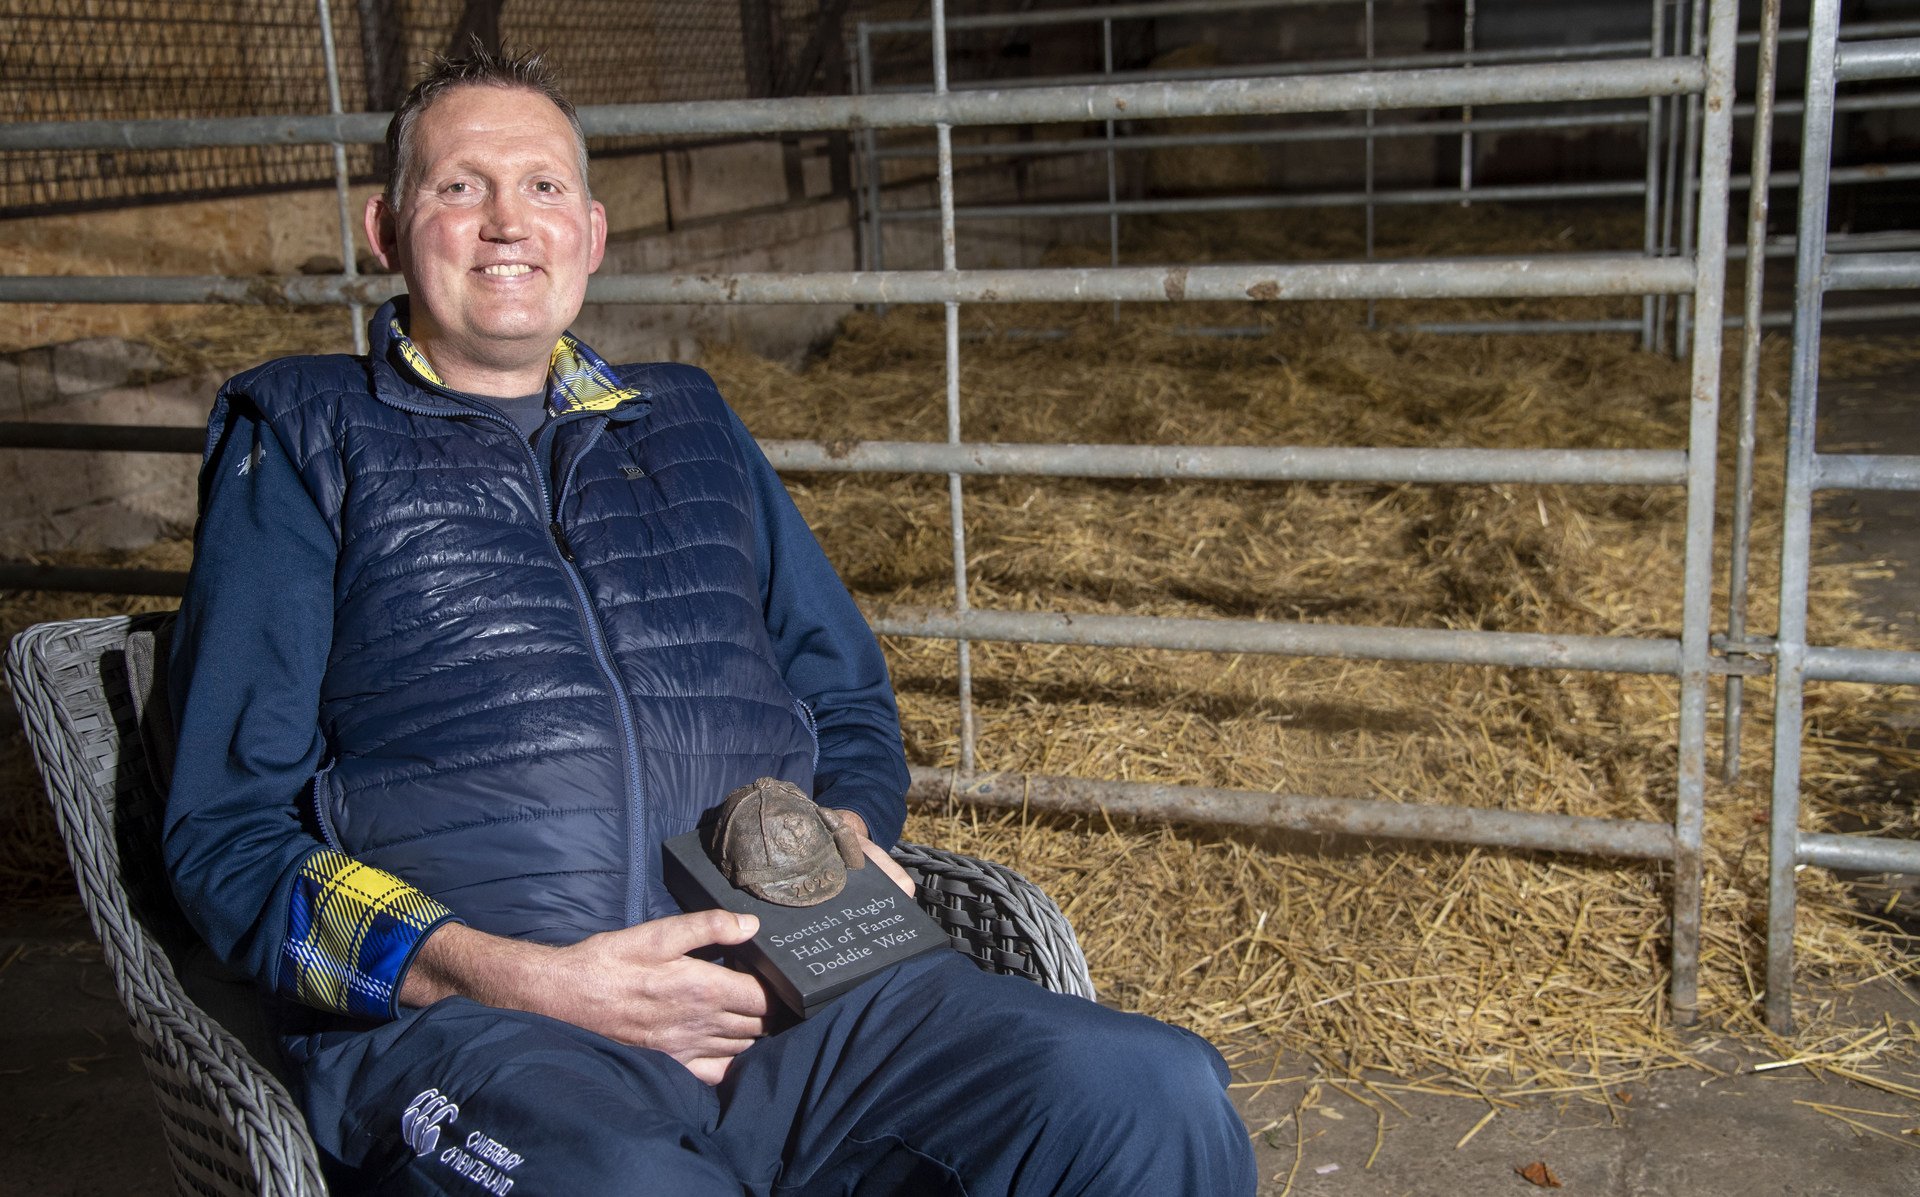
pixel 827 921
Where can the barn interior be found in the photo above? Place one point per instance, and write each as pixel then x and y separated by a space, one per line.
pixel 1350 492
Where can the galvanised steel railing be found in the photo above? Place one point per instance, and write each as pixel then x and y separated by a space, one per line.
pixel 1817 272
pixel 1656 186
pixel 1697 276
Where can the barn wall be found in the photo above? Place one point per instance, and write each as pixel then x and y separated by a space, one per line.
pixel 747 206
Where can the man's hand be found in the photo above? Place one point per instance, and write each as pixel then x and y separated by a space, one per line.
pixel 888 864
pixel 635 985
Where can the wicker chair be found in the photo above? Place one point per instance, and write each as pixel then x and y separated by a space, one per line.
pixel 96 716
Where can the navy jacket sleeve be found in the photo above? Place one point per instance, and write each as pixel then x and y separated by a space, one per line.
pixel 831 660
pixel 249 654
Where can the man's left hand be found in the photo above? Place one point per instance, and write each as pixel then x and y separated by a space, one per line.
pixel 888 864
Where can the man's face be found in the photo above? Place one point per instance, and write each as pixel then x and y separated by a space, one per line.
pixel 496 236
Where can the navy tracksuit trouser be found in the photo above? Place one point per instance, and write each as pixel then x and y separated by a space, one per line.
pixel 933 1078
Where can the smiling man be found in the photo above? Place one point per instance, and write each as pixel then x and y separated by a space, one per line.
pixel 475 623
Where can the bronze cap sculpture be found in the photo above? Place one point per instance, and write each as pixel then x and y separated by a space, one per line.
pixel 773 842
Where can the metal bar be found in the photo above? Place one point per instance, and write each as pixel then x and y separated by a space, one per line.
pixel 1565 274
pixel 1696 631
pixel 1690 181
pixel 109 438
pixel 1869 103
pixel 1876 666
pixel 1077 145
pixel 1475 278
pixel 1367 162
pixel 1164 8
pixel 1596 51
pixel 1880 471
pixel 1790 666
pixel 1064 16
pixel 1113 182
pixel 1651 308
pixel 1214 463
pixel 1871 272
pixel 956 499
pixel 1466 113
pixel 1118 12
pixel 1609 51
pixel 1784 247
pixel 1859 313
pixel 1853 314
pixel 1859 853
pixel 1256 203
pixel 1521 650
pixel 1670 180
pixel 1785 180
pixel 1859 31
pixel 875 258
pixel 1236 463
pixel 91 579
pixel 1439 88
pixel 1766 71
pixel 1886 172
pixel 356 314
pixel 1473 328
pixel 1855 61
pixel 1369 818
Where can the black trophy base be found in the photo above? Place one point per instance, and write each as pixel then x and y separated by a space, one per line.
pixel 809 955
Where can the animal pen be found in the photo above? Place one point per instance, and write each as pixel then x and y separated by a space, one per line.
pixel 854 456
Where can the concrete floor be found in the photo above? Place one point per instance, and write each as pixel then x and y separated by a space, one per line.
pixel 1680 1133
pixel 80 1120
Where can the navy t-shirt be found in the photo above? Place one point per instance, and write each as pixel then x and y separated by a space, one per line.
pixel 529 412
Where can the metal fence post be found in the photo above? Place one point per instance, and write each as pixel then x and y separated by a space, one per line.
pixel 956 501
pixel 1652 307
pixel 1796 533
pixel 348 266
pixel 869 141
pixel 1466 115
pixel 1689 180
pixel 1710 269
pixel 1670 176
pixel 1765 71
pixel 1372 305
pixel 1113 190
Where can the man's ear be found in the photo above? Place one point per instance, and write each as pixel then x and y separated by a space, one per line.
pixel 378 219
pixel 597 223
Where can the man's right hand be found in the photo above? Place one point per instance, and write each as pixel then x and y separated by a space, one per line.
pixel 635 985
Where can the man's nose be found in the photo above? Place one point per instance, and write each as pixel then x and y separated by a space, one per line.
pixel 506 217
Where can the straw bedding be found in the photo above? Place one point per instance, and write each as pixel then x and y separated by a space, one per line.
pixel 1478 970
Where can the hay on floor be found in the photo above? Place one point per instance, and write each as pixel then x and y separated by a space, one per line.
pixel 1484 971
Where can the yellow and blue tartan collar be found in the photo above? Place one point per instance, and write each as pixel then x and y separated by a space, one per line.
pixel 577 378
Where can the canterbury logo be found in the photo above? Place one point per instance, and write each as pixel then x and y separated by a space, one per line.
pixel 420 1125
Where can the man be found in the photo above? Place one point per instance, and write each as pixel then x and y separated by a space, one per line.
pixel 475 623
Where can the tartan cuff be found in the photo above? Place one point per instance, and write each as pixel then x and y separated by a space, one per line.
pixel 351 931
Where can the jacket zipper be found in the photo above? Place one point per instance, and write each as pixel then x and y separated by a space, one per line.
pixel 639 818
pixel 323 808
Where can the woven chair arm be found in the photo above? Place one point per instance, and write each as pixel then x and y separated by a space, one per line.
pixel 997 917
pixel 231 1127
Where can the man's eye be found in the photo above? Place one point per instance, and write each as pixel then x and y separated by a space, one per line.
pixel 457 188
pixel 546 186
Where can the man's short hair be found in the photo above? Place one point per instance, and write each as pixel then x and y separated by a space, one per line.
pixel 478 67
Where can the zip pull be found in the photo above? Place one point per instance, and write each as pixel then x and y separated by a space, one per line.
pixel 560 541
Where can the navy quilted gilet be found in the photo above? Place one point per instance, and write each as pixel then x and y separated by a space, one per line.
pixel 546 659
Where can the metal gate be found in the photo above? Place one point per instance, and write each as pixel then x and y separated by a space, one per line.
pixel 1694 275
pixel 1817 272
